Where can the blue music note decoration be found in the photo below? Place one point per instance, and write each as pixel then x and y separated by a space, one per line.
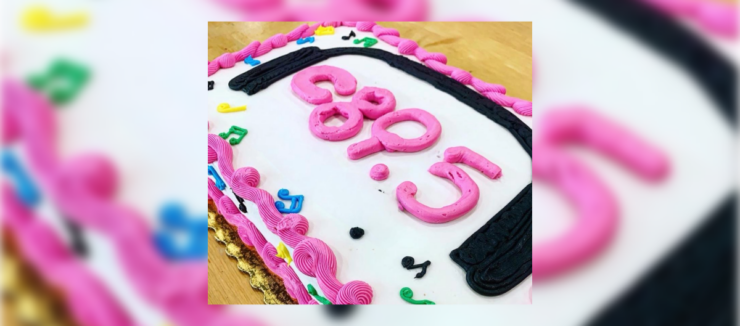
pixel 176 225
pixel 250 61
pixel 305 40
pixel 24 186
pixel 219 182
pixel 296 202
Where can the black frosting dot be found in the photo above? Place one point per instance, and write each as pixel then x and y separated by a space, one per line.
pixel 356 232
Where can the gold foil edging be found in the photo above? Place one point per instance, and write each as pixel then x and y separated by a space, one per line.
pixel 27 298
pixel 247 260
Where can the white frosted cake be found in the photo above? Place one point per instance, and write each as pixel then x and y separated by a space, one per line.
pixel 339 192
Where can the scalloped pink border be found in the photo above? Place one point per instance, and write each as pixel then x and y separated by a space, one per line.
pixel 436 61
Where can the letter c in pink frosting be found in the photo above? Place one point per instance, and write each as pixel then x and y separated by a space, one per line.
pixel 406 191
pixel 384 140
pixel 303 83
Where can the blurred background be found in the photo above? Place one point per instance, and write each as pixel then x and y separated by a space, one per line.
pixel 662 70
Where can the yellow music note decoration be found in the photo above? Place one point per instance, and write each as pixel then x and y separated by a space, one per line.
pixel 226 108
pixel 328 30
pixel 284 253
pixel 40 18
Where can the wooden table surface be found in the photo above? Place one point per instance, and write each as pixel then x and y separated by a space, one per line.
pixel 496 52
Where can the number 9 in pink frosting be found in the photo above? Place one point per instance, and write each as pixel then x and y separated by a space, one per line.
pixel 384 140
pixel 303 83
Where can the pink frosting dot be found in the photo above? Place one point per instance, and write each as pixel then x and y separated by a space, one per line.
pixel 379 172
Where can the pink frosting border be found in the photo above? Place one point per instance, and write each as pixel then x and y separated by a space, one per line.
pixel 89 302
pixel 83 188
pixel 311 256
pixel 436 61
pixel 251 236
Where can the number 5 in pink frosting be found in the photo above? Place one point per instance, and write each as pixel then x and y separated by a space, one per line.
pixel 406 191
pixel 596 205
pixel 303 83
pixel 383 140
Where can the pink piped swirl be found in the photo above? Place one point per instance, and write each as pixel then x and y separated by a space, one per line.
pixel 211 155
pixel 91 173
pixel 292 229
pixel 248 176
pixel 314 258
pixel 354 293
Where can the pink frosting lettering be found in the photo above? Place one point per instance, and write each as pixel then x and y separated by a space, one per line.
pixel 374 102
pixel 303 83
pixel 351 127
pixel 462 154
pixel 383 140
pixel 406 191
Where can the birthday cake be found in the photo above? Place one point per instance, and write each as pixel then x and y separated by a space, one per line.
pixel 364 169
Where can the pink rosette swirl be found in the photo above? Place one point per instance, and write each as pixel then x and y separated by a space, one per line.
pixel 292 229
pixel 314 258
pixel 355 292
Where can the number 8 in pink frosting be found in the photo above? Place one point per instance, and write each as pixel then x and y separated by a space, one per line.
pixel 384 140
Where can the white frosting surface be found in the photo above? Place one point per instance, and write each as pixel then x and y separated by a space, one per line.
pixel 338 193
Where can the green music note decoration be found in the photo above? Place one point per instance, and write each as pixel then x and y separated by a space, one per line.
pixel 407 295
pixel 62 80
pixel 312 291
pixel 369 41
pixel 241 132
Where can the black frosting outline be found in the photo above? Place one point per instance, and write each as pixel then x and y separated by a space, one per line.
pixel 498 256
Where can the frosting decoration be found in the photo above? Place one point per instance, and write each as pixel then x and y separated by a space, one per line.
pixel 462 154
pixel 226 108
pixel 305 40
pixel 348 129
pixel 303 83
pixel 248 60
pixel 296 202
pixel 240 132
pixel 384 140
pixel 407 295
pixel 379 172
pixel 367 41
